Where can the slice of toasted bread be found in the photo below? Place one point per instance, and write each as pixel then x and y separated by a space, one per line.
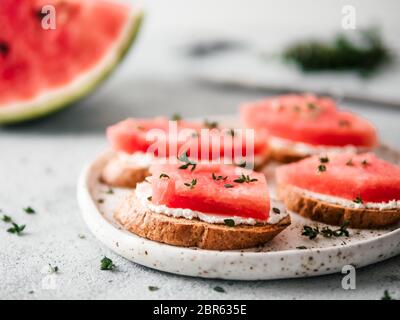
pixel 334 214
pixel 117 173
pixel 286 155
pixel 192 233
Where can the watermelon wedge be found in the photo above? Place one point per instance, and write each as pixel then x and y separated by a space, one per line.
pixel 42 69
pixel 216 189
pixel 308 119
pixel 362 177
pixel 132 135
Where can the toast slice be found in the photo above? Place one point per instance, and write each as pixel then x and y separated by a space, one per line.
pixel 193 233
pixel 286 155
pixel 296 200
pixel 117 173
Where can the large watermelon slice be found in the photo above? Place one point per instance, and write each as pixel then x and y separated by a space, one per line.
pixel 43 69
pixel 361 177
pixel 132 135
pixel 212 189
pixel 308 119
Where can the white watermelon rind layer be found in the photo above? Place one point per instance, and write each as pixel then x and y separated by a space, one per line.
pixel 59 98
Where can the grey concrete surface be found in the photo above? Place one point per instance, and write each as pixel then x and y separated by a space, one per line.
pixel 40 163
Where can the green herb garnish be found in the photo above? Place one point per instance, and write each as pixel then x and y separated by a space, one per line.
pixel 358 199
pixel 29 210
pixel 176 117
pixel 231 132
pixel 311 106
pixel 163 175
pixel 216 178
pixel 110 191
pixel 276 210
pixel 210 124
pixel 365 163
pixel 310 232
pixel 229 222
pixel 301 247
pixel 244 179
pixel 228 185
pixel 219 289
pixel 386 296
pixel 324 160
pixel 344 123
pixel 6 218
pixel 16 229
pixel 364 56
pixel 342 231
pixel 153 288
pixel 191 184
pixel 53 269
pixel 321 168
pixel 188 163
pixel 107 264
pixel 326 232
pixel 150 198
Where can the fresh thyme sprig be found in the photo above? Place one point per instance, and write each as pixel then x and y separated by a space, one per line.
pixel 191 184
pixel 107 264
pixel 16 229
pixel 188 163
pixel 6 218
pixel 210 124
pixel 29 210
pixel 229 222
pixel 217 178
pixel 358 199
pixel 326 232
pixel 244 179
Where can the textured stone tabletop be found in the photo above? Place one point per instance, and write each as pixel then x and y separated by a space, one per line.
pixel 39 166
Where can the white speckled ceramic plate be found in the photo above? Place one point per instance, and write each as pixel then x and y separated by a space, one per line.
pixel 283 257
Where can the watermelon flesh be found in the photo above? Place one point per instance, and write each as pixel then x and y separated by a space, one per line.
pixel 347 176
pixel 34 61
pixel 131 135
pixel 210 195
pixel 310 120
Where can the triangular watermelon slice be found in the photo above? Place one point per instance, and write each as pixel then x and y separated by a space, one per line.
pixel 43 69
pixel 218 189
pixel 359 178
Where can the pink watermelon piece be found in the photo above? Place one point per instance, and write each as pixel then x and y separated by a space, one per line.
pixel 90 37
pixel 214 190
pixel 309 119
pixel 346 176
pixel 131 135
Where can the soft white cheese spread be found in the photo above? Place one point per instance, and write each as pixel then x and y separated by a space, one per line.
pixel 309 149
pixel 393 204
pixel 143 192
pixel 137 159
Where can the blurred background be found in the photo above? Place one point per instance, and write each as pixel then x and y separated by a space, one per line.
pixel 197 58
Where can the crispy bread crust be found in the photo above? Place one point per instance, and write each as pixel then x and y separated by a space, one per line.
pixel 192 233
pixel 117 174
pixel 286 155
pixel 334 214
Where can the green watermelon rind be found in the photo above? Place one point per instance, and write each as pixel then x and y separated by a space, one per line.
pixel 62 101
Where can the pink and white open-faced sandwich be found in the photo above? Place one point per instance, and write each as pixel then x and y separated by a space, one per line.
pixel 359 189
pixel 306 125
pixel 217 207
pixel 140 142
